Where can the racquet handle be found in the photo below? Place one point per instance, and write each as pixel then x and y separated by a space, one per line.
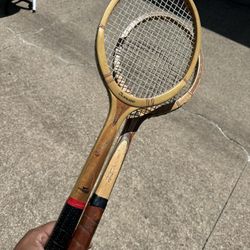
pixel 64 227
pixel 79 196
pixel 97 204
pixel 89 223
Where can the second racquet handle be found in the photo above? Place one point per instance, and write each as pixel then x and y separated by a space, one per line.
pixel 86 229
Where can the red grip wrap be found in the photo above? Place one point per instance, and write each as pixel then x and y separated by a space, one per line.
pixel 86 228
pixel 75 203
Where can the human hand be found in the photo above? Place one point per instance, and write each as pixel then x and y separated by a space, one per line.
pixel 36 238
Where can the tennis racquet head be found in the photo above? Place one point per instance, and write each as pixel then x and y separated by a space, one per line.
pixel 148 49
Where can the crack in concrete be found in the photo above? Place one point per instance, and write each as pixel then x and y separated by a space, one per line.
pixel 224 206
pixel 238 179
pixel 22 39
pixel 32 32
pixel 223 133
pixel 68 63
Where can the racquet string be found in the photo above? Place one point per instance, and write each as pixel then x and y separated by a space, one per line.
pixel 153 50
pixel 184 90
pixel 152 62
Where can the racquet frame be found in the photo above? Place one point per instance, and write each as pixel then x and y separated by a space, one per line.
pixel 122 104
pixel 116 90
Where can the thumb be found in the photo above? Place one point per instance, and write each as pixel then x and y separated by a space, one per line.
pixel 45 232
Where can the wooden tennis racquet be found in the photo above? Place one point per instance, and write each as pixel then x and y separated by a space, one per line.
pixel 147 51
pixel 98 202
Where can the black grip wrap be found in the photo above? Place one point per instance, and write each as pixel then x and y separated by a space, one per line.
pixel 97 201
pixel 64 228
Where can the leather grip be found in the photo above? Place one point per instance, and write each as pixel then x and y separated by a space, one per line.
pixel 86 229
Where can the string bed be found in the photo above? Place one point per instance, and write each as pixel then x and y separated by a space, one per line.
pixel 149 45
pixel 185 89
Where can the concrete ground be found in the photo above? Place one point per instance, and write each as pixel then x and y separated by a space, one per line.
pixel 185 183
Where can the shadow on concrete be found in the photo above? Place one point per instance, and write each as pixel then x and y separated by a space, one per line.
pixel 10 7
pixel 227 18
